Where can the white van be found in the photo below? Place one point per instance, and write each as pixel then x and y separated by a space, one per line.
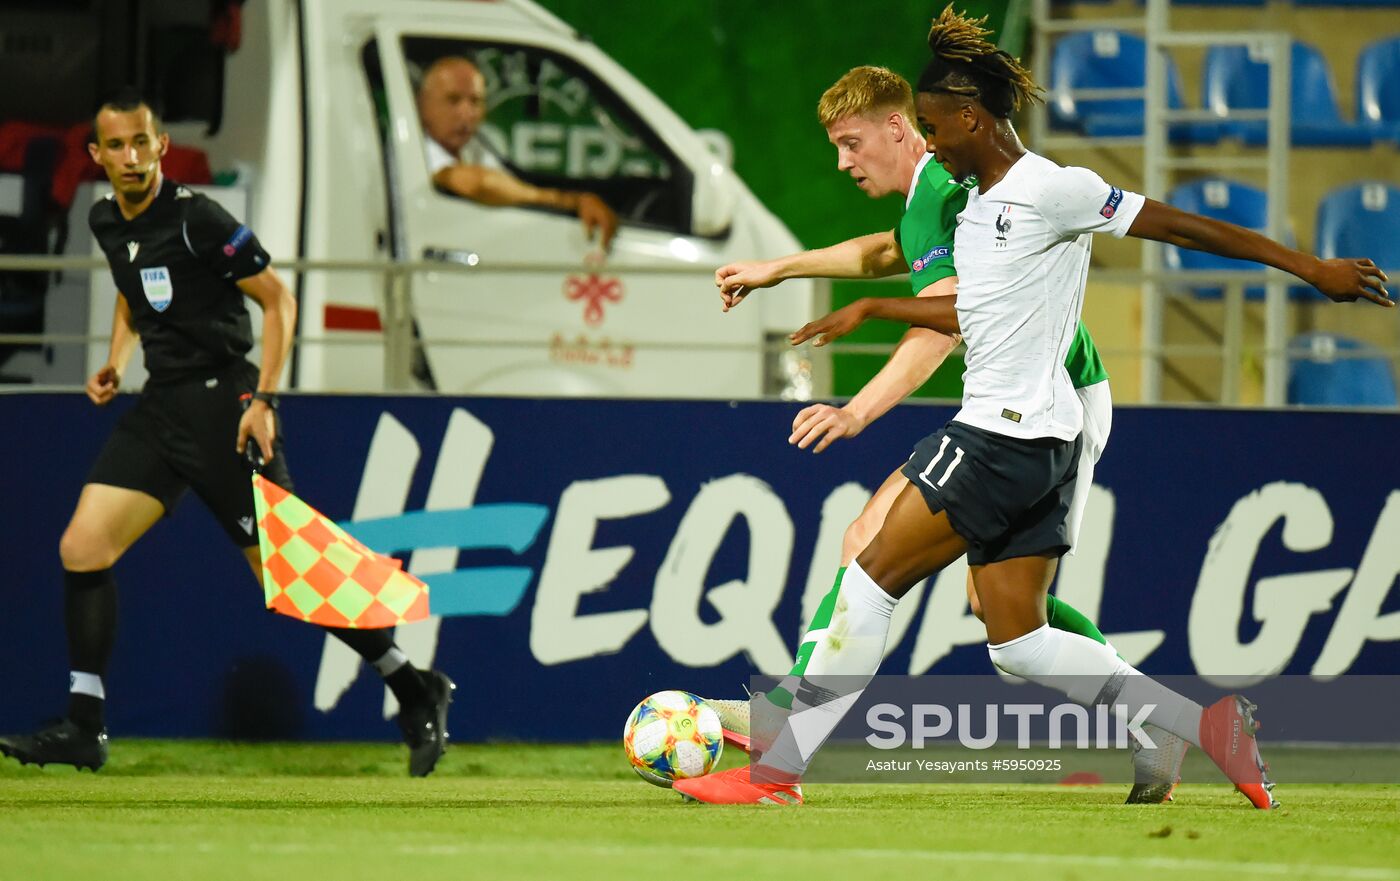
pixel 317 113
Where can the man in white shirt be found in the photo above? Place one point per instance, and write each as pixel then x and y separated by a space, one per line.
pixel 996 482
pixel 451 107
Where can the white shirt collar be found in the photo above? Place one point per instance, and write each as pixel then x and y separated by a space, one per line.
pixel 438 157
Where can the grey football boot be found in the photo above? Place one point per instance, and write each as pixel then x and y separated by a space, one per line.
pixel 1156 771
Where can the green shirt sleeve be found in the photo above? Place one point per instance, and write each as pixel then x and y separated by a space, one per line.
pixel 926 230
pixel 1082 361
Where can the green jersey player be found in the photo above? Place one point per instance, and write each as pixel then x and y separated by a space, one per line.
pixel 869 118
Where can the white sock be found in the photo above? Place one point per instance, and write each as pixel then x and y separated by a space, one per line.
pixel 854 641
pixel 86 683
pixel 1098 676
pixel 846 657
pixel 391 662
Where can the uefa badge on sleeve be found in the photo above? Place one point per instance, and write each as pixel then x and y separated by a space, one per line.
pixel 1110 207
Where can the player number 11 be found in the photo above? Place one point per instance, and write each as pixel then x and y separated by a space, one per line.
pixel 942 448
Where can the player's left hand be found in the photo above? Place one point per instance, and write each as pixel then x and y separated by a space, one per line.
pixel 1344 280
pixel 832 326
pixel 258 423
pixel 739 279
pixel 823 424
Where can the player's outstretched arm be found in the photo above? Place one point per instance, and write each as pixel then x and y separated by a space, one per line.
pixel 874 256
pixel 1341 279
pixel 934 313
pixel 919 353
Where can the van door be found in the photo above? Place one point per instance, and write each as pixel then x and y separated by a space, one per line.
pixel 539 311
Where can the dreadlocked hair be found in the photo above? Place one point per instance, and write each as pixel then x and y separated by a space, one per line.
pixel 965 62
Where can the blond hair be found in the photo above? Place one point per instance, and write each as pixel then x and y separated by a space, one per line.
pixel 863 91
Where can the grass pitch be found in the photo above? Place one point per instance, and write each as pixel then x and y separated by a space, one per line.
pixel 334 812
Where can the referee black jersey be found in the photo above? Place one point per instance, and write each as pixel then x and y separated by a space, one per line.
pixel 178 264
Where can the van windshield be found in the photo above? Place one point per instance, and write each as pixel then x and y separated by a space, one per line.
pixel 553 123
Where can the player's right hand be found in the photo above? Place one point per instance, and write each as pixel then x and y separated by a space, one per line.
pixel 736 280
pixel 102 385
pixel 832 326
pixel 823 424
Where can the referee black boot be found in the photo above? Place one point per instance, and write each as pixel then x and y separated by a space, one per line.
pixel 62 743
pixel 424 724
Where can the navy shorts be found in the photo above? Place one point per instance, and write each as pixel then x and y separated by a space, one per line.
pixel 183 436
pixel 1006 496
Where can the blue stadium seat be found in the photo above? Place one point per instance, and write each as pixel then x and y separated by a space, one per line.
pixel 1110 60
pixel 1361 220
pixel 1235 80
pixel 1233 202
pixel 1316 375
pixel 1378 89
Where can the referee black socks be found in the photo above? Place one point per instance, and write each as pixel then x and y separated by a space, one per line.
pixel 90 612
pixel 408 683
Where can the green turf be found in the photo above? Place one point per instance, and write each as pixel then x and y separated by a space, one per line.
pixel 329 812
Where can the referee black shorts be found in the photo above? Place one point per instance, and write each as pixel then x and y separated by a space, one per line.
pixel 184 436
pixel 1006 496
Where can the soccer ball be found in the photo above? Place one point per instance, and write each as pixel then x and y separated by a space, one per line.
pixel 672 735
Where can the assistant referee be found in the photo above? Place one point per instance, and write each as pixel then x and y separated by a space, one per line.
pixel 183 268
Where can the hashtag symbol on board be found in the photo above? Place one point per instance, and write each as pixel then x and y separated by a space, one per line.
pixel 482 590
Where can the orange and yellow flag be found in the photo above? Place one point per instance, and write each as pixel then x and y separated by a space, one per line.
pixel 317 572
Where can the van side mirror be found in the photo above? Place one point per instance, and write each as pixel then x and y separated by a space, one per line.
pixel 718 143
pixel 715 187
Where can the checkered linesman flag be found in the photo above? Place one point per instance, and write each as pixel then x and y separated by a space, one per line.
pixel 316 572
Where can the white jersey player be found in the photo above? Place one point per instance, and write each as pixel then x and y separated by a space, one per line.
pixel 995 483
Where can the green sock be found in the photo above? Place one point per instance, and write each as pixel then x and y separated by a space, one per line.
pixel 1062 616
pixel 781 696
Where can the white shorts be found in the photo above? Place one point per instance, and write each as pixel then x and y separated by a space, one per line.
pixel 1097 402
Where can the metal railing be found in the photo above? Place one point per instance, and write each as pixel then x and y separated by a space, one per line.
pixel 1159 163
pixel 395 307
pixel 400 345
pixel 1276 49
